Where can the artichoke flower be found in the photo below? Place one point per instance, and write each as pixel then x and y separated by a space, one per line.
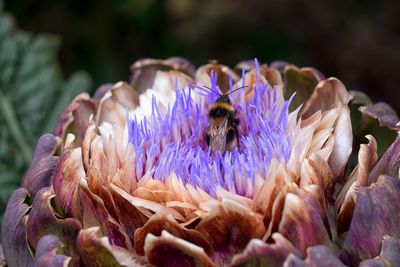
pixel 128 179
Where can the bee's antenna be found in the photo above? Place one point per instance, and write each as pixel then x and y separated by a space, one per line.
pixel 212 90
pixel 237 89
pixel 203 88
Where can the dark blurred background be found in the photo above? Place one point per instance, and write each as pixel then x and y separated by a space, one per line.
pixel 357 41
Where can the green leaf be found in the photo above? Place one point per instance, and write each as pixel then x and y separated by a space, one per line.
pixel 33 93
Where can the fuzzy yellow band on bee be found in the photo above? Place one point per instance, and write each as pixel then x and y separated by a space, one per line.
pixel 222 105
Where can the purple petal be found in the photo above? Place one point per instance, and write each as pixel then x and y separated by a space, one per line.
pixel 13 237
pixel 302 223
pixel 278 64
pixel 96 251
pixel 128 215
pixel 260 253
pixel 384 113
pixel 2 257
pixel 294 261
pixel 373 263
pixel 44 220
pixel 75 116
pixel 94 213
pixel 391 250
pixel 320 256
pixel 44 161
pixel 68 173
pixel 48 253
pixel 389 256
pixel 102 90
pixel 376 214
pixel 389 163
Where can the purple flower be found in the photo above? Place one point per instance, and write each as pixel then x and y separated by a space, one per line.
pixel 174 142
pixel 129 179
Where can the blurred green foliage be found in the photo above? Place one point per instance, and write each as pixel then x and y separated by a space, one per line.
pixel 105 37
pixel 33 92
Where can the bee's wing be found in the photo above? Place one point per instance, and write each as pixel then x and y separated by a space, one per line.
pixel 218 127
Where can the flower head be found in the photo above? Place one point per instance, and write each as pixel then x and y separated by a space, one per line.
pixel 173 141
pixel 128 179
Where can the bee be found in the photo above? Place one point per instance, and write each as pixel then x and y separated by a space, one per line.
pixel 222 133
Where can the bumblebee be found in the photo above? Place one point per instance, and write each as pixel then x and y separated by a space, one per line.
pixel 222 133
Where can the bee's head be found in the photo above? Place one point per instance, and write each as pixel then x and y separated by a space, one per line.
pixel 224 99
